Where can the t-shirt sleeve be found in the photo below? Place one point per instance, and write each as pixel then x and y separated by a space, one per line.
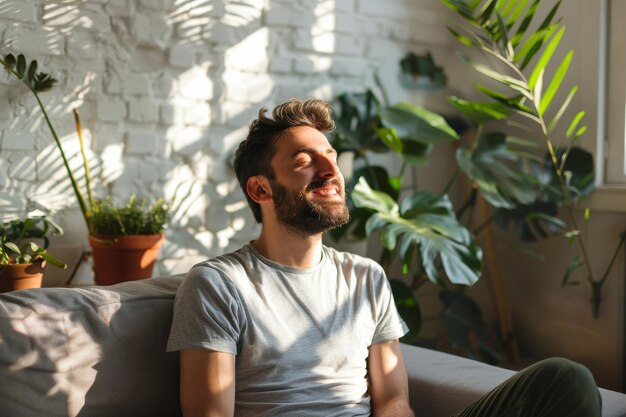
pixel 389 324
pixel 208 313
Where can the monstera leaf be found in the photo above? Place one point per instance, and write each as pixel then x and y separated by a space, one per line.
pixel 408 308
pixel 379 178
pixel 411 131
pixel 531 222
pixel 577 164
pixel 465 328
pixel 427 223
pixel 356 118
pixel 494 166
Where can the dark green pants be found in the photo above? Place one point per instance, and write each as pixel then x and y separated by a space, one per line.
pixel 554 387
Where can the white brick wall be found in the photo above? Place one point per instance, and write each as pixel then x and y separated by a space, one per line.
pixel 167 88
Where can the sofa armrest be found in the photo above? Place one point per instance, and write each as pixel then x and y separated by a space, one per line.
pixel 441 384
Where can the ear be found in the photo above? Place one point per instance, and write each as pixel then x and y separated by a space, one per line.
pixel 259 189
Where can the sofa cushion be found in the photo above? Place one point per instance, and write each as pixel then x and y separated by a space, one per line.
pixel 93 351
pixel 441 384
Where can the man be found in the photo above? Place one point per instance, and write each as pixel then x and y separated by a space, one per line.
pixel 288 327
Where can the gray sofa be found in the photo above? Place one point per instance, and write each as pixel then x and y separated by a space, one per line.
pixel 100 351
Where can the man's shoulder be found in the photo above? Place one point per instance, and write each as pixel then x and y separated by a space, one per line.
pixel 352 260
pixel 225 265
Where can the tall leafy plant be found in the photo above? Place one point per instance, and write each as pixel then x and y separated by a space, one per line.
pixel 518 59
pixel 101 216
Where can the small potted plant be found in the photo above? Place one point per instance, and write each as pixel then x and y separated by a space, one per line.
pixel 22 260
pixel 125 239
pixel 130 234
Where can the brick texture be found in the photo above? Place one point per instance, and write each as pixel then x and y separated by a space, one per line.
pixel 169 86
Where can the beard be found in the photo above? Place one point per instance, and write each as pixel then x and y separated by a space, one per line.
pixel 299 212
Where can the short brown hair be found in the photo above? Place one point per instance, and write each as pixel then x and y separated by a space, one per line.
pixel 256 151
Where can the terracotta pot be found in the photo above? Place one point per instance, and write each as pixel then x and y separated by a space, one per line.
pixel 21 276
pixel 124 258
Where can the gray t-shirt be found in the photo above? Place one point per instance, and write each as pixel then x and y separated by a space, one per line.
pixel 300 336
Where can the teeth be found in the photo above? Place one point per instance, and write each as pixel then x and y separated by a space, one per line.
pixel 326 192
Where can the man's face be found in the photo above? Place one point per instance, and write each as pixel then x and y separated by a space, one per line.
pixel 308 190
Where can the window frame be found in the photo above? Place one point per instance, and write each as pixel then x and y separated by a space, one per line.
pixel 610 123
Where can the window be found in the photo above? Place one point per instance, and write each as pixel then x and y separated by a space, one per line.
pixel 599 41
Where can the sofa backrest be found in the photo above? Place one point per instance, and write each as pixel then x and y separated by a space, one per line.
pixel 94 351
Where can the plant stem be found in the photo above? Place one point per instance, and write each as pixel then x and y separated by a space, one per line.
pixel 79 131
pixel 79 196
pixel 613 258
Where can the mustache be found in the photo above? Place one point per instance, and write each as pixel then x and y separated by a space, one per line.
pixel 323 183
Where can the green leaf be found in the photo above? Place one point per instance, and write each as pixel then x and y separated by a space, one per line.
pixel 507 46
pixel 13 247
pixel 555 83
pixel 494 75
pixel 480 113
pixel 428 223
pixel 52 260
pixel 532 46
pixel 574 123
pixel 32 70
pixel 9 61
pixel 531 222
pixel 464 326
pixel 408 308
pixel 21 66
pixel 464 40
pixel 462 9
pixel 496 171
pixel 487 10
pixel 356 119
pixel 364 196
pixel 548 20
pixel 511 18
pixel 410 150
pixel 34 247
pixel 573 265
pixel 521 30
pixel 545 58
pixel 416 123
pixel 557 117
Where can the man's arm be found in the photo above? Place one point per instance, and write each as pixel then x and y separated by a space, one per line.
pixel 207 383
pixel 388 381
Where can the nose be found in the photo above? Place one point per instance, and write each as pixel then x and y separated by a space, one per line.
pixel 328 167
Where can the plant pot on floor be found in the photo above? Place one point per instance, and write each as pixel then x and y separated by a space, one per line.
pixel 124 258
pixel 21 276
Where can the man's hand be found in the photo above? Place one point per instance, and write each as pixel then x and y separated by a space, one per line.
pixel 207 383
pixel 388 381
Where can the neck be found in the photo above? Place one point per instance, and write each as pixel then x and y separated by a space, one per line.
pixel 288 247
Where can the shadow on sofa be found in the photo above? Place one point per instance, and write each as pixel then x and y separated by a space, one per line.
pixel 100 351
pixel 96 351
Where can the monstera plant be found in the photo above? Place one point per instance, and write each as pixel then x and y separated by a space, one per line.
pixel 423 230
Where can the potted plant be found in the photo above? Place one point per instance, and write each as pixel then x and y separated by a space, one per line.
pixel 22 260
pixel 131 232
pixel 125 240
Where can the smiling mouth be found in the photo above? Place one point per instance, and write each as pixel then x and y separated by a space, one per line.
pixel 326 192
pixel 328 188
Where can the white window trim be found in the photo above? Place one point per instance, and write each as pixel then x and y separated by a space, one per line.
pixel 607 196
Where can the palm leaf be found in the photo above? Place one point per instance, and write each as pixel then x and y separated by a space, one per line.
pixel 555 83
pixel 545 58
